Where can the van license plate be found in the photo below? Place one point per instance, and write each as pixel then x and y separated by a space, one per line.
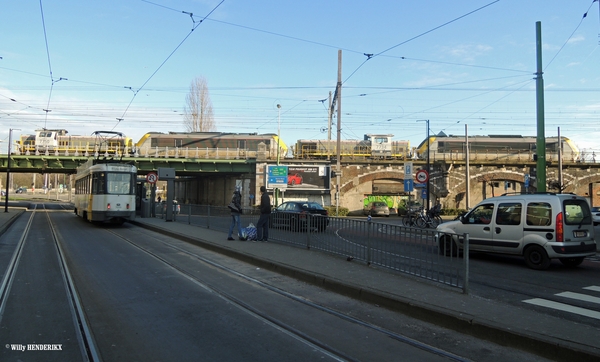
pixel 580 234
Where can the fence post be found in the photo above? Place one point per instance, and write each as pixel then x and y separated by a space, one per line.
pixel 308 227
pixel 208 217
pixel 466 259
pixel 369 228
pixel 189 214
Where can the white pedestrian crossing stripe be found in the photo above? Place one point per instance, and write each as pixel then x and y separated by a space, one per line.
pixel 570 308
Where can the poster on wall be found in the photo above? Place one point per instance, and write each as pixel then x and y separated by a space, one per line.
pixel 302 178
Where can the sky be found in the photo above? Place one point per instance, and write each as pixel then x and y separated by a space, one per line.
pixel 127 66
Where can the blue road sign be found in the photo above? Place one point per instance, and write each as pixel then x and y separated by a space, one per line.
pixel 526 180
pixel 408 185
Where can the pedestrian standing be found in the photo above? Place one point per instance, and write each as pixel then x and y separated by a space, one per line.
pixel 236 210
pixel 265 211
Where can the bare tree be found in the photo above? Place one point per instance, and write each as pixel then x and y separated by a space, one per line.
pixel 198 115
pixel 555 185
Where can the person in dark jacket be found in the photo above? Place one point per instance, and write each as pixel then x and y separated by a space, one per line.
pixel 236 200
pixel 262 227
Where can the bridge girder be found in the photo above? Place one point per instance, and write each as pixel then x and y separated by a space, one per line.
pixel 69 164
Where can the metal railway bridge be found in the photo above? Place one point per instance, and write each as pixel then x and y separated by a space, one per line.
pixel 215 177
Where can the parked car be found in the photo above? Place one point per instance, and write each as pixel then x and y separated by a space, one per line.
pixel 295 179
pixel 539 227
pixel 299 215
pixel 21 190
pixel 377 208
pixel 596 215
pixel 3 193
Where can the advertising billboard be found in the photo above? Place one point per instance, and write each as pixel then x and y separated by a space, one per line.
pixel 299 178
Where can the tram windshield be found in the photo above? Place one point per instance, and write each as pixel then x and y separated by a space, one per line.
pixel 119 183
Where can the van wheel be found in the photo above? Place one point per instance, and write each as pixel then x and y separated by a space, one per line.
pixel 537 258
pixel 571 262
pixel 447 246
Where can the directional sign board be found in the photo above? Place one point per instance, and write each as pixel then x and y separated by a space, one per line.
pixel 408 185
pixel 422 176
pixel 152 177
pixel 408 170
pixel 277 176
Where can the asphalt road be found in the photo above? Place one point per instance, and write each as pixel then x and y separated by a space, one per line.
pixel 141 307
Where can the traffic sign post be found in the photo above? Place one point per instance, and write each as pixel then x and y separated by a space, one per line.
pixel 422 176
pixel 408 185
pixel 152 177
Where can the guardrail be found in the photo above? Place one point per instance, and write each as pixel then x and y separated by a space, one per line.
pixel 399 248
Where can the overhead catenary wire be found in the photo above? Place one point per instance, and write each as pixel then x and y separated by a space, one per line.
pixel 135 93
pixel 570 36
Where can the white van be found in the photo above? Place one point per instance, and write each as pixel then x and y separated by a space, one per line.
pixel 540 227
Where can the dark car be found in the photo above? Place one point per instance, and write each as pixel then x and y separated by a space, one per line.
pixel 295 179
pixel 298 215
pixel 21 190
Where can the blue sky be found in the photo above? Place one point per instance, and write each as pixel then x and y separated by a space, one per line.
pixel 455 63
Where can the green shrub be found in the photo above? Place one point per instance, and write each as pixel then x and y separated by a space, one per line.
pixel 343 211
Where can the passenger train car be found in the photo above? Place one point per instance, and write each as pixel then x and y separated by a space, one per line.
pixel 372 146
pixel 105 191
pixel 510 147
pixel 211 145
pixel 58 140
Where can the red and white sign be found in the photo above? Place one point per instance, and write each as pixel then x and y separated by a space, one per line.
pixel 152 177
pixel 422 176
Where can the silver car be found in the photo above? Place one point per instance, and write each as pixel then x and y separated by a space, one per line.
pixel 539 227
pixel 596 215
pixel 377 208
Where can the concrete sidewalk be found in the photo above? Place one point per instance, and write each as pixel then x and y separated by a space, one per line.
pixel 542 334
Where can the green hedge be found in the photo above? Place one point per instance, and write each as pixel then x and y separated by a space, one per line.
pixel 331 210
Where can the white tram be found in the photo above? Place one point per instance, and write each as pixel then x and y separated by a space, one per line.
pixel 105 191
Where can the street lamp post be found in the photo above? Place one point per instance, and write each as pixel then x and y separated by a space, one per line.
pixel 427 167
pixel 278 130
pixel 278 148
pixel 8 169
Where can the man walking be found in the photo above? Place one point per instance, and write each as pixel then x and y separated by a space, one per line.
pixel 265 211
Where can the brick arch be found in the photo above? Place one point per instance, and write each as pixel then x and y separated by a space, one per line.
pixel 582 184
pixel 371 176
pixel 461 187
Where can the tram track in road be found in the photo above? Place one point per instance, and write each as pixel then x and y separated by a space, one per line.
pixel 275 322
pixel 20 271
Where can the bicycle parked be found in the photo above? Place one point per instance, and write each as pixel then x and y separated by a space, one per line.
pixel 418 217
pixel 428 219
pixel 412 214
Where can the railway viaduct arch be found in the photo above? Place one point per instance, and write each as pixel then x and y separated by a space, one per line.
pixel 448 182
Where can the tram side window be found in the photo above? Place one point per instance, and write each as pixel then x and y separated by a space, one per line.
pixel 98 183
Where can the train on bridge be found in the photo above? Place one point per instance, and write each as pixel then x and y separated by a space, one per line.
pixel 154 144
pixel 219 145
pixel 498 147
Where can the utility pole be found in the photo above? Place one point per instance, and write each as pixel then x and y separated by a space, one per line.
pixel 337 100
pixel 329 116
pixel 468 175
pixel 540 144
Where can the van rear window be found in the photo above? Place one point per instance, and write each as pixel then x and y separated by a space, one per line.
pixel 577 212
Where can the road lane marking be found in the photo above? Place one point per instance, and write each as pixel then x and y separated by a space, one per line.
pixel 564 307
pixel 579 296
